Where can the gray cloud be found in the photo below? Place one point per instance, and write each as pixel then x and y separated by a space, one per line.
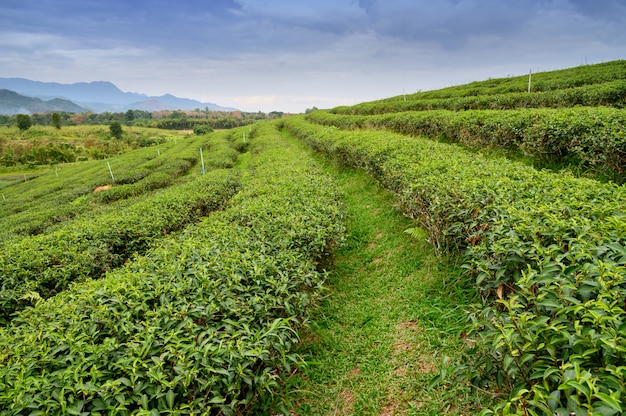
pixel 264 52
pixel 450 23
pixel 606 10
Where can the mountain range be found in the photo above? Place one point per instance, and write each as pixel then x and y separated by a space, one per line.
pixel 14 103
pixel 19 95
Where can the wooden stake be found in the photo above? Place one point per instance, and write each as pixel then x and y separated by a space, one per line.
pixel 111 172
pixel 202 159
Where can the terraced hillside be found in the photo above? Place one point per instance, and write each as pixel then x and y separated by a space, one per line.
pixel 546 248
pixel 220 270
pixel 184 290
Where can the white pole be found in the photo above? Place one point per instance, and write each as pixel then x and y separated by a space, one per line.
pixel 529 77
pixel 202 159
pixel 111 172
pixel 159 152
pixel 3 198
pixel 56 171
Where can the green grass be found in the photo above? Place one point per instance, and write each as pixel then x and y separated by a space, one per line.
pixel 392 313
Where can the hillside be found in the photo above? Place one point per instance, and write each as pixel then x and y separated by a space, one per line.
pixel 545 249
pixel 572 118
pixel 340 262
pixel 103 96
pixel 13 103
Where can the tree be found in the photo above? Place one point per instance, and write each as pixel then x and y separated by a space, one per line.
pixel 200 129
pixel 116 129
pixel 129 116
pixel 23 122
pixel 56 120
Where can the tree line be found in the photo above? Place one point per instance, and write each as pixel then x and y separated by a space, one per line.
pixel 163 119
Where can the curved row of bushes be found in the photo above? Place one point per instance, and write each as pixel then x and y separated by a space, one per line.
pixel 204 324
pixel 542 81
pixel 161 172
pixel 50 200
pixel 67 182
pixel 610 94
pixel 548 252
pixel 30 207
pixel 41 266
pixel 592 138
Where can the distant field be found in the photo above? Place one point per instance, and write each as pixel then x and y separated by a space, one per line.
pixel 43 145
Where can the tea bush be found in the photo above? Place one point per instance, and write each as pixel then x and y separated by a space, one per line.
pixel 591 138
pixel 65 192
pixel 204 324
pixel 41 266
pixel 610 94
pixel 548 252
pixel 592 78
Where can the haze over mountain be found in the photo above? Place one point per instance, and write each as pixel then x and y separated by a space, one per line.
pixel 14 103
pixel 100 96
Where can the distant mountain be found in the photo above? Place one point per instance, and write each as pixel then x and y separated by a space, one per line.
pixel 103 96
pixel 14 103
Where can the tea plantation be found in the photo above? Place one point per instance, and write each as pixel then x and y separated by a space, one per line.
pixel 184 288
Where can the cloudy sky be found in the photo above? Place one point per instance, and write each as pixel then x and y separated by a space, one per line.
pixel 289 55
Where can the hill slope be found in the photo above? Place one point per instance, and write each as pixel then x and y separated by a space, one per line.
pixel 14 103
pixel 102 96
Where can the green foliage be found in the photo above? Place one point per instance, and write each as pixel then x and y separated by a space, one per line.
pixel 589 139
pixel 241 137
pixel 23 121
pixel 48 145
pixel 201 325
pixel 610 94
pixel 56 120
pixel 205 320
pixel 170 120
pixel 64 192
pixel 48 263
pixel 116 129
pixel 553 269
pixel 200 129
pixel 572 86
pixel 129 116
pixel 43 155
pixel 393 312
pixel 548 252
pixel 89 246
pixel 310 110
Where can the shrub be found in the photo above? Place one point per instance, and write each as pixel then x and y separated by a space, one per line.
pixel 548 252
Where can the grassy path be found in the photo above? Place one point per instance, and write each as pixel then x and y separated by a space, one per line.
pixel 393 312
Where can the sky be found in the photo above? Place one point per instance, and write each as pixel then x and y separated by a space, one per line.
pixel 291 55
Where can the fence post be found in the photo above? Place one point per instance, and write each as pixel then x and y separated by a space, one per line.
pixel 111 172
pixel 202 160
